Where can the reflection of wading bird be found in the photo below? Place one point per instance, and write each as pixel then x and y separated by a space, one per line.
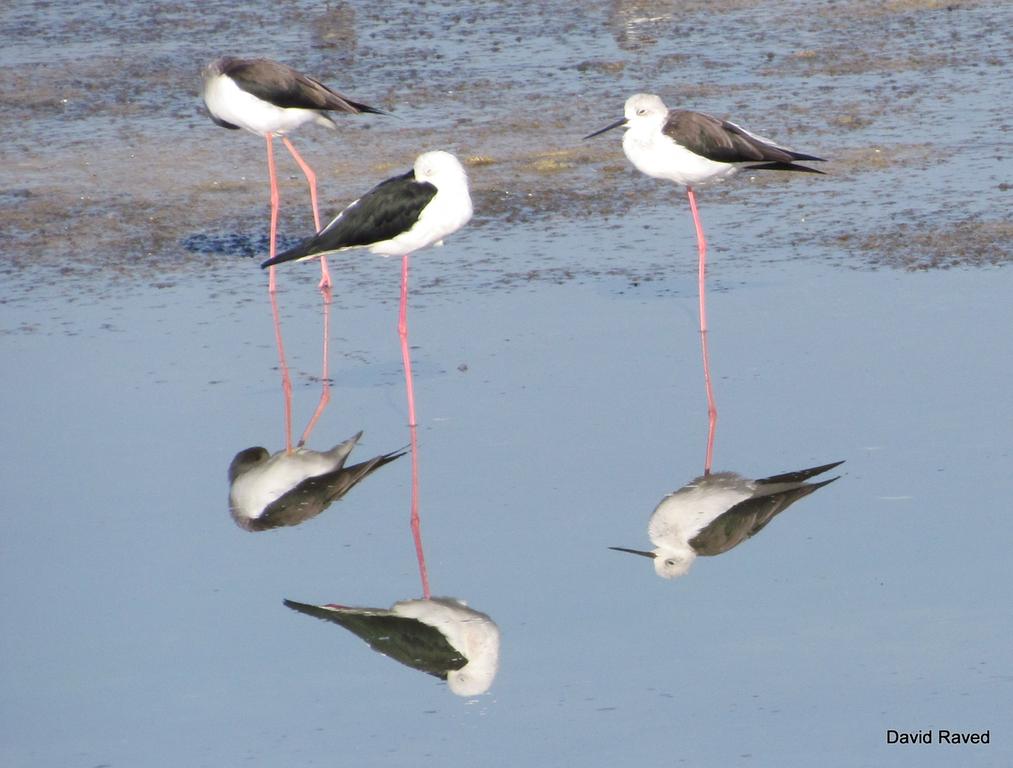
pixel 694 149
pixel 286 378
pixel 271 99
pixel 440 636
pixel 717 512
pixel 290 487
pixel 396 218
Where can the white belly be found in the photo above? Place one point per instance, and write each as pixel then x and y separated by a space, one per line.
pixel 230 103
pixel 661 158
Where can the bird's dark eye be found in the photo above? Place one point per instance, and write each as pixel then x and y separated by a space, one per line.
pixel 641 112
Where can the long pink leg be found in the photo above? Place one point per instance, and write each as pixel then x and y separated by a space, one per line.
pixel 311 177
pixel 274 210
pixel 402 329
pixel 712 411
pixel 416 521
pixel 701 245
pixel 325 394
pixel 286 380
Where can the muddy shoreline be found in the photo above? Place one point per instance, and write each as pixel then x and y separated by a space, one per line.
pixel 116 172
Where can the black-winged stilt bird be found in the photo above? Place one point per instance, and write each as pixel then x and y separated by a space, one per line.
pixel 695 149
pixel 290 487
pixel 271 99
pixel 716 512
pixel 396 218
pixel 440 636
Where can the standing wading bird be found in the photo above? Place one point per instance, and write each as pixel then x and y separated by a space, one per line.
pixel 694 149
pixel 271 99
pixel 396 218
pixel 717 512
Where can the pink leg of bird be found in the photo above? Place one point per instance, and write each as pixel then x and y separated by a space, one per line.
pixel 402 329
pixel 272 248
pixel 701 245
pixel 416 523
pixel 286 380
pixel 325 394
pixel 415 519
pixel 311 177
pixel 712 411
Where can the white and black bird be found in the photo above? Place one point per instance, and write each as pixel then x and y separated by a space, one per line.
pixel 716 512
pixel 695 149
pixel 441 636
pixel 291 487
pixel 396 218
pixel 271 99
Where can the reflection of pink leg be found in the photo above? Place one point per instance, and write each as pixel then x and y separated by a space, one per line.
pixel 325 394
pixel 286 380
pixel 275 198
pixel 402 329
pixel 712 410
pixel 311 177
pixel 416 521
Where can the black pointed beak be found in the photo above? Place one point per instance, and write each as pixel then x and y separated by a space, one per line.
pixel 641 552
pixel 609 127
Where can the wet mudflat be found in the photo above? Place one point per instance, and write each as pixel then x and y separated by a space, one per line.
pixel 860 316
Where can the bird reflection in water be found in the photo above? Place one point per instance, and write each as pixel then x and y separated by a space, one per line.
pixel 286 377
pixel 292 486
pixel 440 636
pixel 716 512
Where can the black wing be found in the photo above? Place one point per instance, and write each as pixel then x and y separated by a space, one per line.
pixel 285 87
pixel 748 518
pixel 390 208
pixel 405 640
pixel 725 142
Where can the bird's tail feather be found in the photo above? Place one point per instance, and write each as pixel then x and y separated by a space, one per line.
pixel 300 251
pixel 775 166
pixel 801 476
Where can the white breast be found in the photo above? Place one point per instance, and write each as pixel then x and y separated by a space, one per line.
pixel 228 102
pixel 660 157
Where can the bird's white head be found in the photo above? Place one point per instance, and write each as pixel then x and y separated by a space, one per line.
pixel 669 562
pixel 440 169
pixel 472 679
pixel 644 112
pixel 451 209
pixel 645 109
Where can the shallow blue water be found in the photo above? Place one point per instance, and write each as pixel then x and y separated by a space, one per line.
pixel 141 612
